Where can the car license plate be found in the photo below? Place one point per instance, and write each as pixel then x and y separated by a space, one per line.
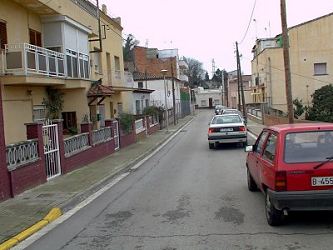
pixel 322 181
pixel 226 129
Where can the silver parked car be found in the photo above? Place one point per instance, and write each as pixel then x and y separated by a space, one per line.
pixel 227 128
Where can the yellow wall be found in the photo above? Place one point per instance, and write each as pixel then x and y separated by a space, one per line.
pixel 309 43
pixel 19 20
pixel 17 107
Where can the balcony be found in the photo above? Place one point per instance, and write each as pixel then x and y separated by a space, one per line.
pixel 36 65
pixel 25 59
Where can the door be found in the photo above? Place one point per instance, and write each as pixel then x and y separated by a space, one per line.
pixel 210 102
pixel 51 150
pixel 253 157
pixel 116 135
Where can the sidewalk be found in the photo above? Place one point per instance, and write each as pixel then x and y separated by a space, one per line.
pixel 254 127
pixel 68 190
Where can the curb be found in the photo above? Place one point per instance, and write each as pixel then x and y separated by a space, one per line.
pixel 56 212
pixel 51 216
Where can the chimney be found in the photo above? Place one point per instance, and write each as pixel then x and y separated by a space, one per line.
pixel 104 9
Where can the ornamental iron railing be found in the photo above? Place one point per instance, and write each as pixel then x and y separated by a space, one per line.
pixel 101 135
pixel 76 144
pixel 21 153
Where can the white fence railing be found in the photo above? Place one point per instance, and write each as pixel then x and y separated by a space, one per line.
pixel 24 58
pixel 76 144
pixel 139 126
pixel 152 121
pixel 21 153
pixel 101 135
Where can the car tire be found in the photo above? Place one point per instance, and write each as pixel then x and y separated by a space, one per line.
pixel 274 217
pixel 211 145
pixel 251 185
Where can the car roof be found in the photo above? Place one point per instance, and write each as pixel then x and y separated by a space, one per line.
pixel 301 127
pixel 228 115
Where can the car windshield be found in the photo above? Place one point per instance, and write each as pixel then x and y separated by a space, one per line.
pixel 226 119
pixel 313 146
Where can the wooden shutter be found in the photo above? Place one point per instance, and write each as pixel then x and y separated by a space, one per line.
pixel 3 35
pixel 35 37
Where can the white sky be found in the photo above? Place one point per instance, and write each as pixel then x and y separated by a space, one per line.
pixel 208 29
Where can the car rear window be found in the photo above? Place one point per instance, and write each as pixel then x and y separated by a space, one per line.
pixel 226 119
pixel 312 146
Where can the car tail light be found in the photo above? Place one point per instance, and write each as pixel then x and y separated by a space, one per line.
pixel 210 130
pixel 281 181
pixel 242 128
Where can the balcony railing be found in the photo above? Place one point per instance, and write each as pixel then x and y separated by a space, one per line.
pixel 24 58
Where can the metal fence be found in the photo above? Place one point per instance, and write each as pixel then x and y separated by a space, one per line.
pixel 101 135
pixel 21 153
pixel 139 126
pixel 76 144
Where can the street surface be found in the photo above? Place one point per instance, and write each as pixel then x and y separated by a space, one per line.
pixel 187 197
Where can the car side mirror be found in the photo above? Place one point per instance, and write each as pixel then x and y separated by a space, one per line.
pixel 249 148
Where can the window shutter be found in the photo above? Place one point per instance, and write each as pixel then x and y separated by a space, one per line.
pixel 3 35
pixel 32 37
pixel 38 39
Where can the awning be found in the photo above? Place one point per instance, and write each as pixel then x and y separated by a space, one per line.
pixel 99 91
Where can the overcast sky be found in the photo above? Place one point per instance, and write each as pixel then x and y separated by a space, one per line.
pixel 209 29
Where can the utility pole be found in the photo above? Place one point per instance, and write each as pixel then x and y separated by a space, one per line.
pixel 240 83
pixel 222 87
pixel 286 62
pixel 173 96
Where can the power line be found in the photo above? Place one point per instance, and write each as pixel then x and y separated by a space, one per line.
pixel 248 26
pixel 293 73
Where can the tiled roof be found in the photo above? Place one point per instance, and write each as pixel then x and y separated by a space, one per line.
pixel 100 90
pixel 143 76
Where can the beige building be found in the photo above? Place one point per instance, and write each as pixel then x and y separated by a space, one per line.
pixel 56 46
pixel 311 63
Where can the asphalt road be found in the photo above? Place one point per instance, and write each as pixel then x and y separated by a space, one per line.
pixel 186 197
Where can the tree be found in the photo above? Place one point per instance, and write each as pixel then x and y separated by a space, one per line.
pixel 322 104
pixel 195 72
pixel 54 103
pixel 217 77
pixel 129 44
pixel 206 77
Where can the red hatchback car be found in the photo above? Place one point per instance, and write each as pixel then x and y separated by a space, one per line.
pixel 292 165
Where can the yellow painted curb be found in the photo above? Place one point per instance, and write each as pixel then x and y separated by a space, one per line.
pixel 51 216
pixel 54 214
pixel 8 244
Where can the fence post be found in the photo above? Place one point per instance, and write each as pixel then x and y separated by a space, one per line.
pixel 35 131
pixel 87 128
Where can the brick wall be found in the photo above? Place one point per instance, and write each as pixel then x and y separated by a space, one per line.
pixel 127 139
pixel 270 120
pixel 153 65
pixel 154 129
pixel 27 177
pixel 88 156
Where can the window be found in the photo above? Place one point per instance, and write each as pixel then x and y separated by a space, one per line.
pixel 140 85
pixel 3 35
pixel 38 113
pixel 69 120
pixel 137 107
pixel 147 103
pixel 269 152
pixel 260 142
pixel 117 67
pixel 35 37
pixel 97 62
pixel 320 69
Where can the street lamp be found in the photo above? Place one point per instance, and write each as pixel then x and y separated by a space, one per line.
pixel 164 71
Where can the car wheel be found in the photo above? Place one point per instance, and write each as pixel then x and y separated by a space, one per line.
pixel 211 145
pixel 251 185
pixel 274 217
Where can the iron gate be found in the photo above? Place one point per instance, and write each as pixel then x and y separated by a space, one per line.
pixel 51 150
pixel 116 134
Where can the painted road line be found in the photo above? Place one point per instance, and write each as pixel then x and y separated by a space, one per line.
pixel 68 214
pixel 160 147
